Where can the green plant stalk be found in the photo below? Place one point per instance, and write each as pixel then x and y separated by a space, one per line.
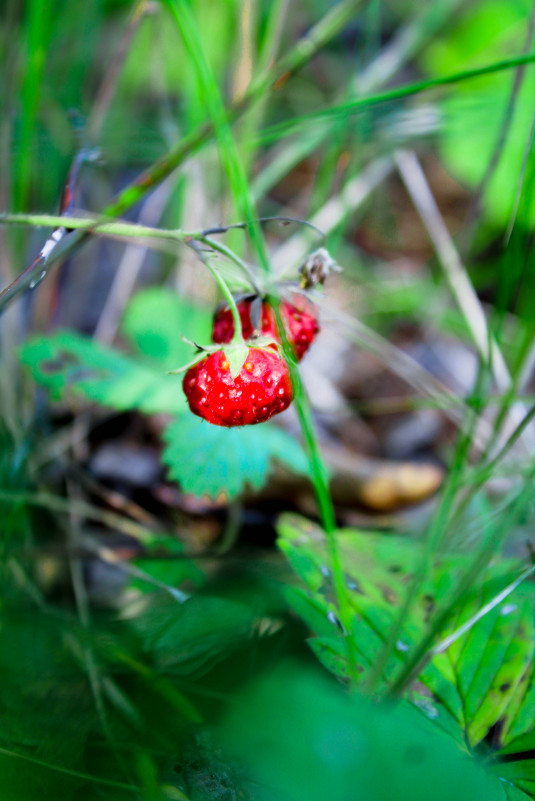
pixel 511 395
pixel 320 481
pixel 242 197
pixel 484 473
pixel 103 227
pixel 437 529
pixel 186 24
pixel 237 337
pixel 276 132
pixel 225 251
pixel 98 225
pixel 227 146
pixel 35 61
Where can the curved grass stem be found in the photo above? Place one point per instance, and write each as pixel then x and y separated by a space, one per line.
pixel 320 479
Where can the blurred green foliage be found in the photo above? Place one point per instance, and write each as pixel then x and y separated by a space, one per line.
pixel 475 115
pixel 201 689
pixel 326 745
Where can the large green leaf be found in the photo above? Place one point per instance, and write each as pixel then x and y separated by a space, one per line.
pixel 212 460
pixel 483 678
pixel 67 362
pixel 155 322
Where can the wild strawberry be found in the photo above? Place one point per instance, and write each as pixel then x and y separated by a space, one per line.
pixel 223 327
pixel 261 388
pixel 300 322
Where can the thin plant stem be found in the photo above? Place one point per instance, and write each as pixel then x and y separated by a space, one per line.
pixel 292 126
pixel 488 607
pixel 229 297
pixel 320 481
pixel 225 251
pixel 485 472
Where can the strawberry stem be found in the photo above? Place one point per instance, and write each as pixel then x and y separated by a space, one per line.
pixel 223 286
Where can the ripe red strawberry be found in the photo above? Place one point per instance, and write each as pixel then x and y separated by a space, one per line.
pixel 300 322
pixel 261 389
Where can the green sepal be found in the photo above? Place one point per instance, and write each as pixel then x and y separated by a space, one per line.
pixel 236 356
pixel 185 367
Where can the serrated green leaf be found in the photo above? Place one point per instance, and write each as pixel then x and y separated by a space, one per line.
pixel 210 460
pixel 520 773
pixel 523 713
pixel 314 610
pixel 68 362
pixel 332 654
pixel 478 676
pixel 515 794
pixel 155 322
pixel 304 565
pixel 504 660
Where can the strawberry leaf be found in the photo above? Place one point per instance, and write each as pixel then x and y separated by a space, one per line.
pixel 210 460
pixel 68 363
pixel 156 320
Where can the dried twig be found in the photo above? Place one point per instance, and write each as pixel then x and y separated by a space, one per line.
pixel 462 289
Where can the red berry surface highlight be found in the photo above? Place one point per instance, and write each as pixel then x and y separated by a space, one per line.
pixel 300 322
pixel 261 389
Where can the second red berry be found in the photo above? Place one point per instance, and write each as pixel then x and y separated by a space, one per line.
pixel 300 322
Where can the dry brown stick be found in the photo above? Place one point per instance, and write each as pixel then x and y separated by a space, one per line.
pixel 461 287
